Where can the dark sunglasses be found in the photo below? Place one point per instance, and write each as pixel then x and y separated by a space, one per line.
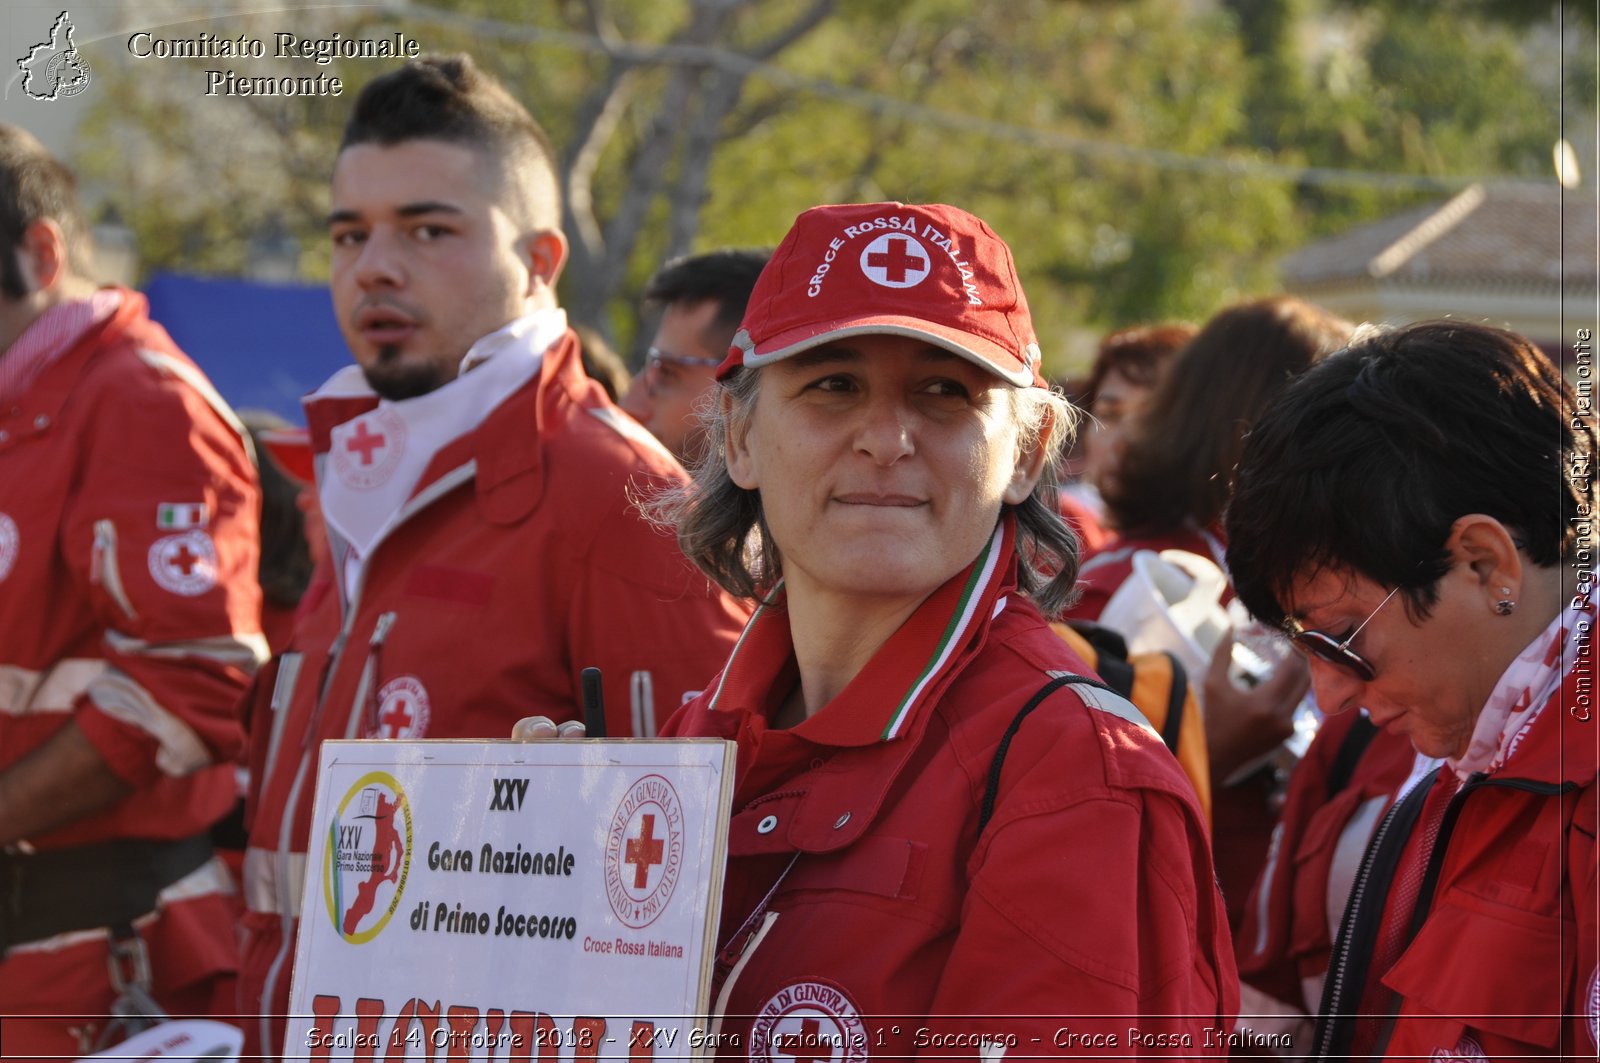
pixel 1336 652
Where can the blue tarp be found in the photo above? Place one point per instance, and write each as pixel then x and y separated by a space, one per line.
pixel 262 345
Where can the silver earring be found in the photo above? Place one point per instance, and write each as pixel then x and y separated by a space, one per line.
pixel 1505 606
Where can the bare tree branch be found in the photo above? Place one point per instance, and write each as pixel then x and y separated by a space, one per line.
pixel 808 21
pixel 597 122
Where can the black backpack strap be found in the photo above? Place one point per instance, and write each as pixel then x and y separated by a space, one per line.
pixel 1177 694
pixel 1351 747
pixel 1111 655
pixel 986 810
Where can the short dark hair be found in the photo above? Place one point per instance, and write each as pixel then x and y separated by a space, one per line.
pixel 1141 353
pixel 449 98
pixel 1366 461
pixel 728 276
pixel 1179 461
pixel 35 186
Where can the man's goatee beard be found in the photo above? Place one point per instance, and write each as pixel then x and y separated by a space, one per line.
pixel 396 381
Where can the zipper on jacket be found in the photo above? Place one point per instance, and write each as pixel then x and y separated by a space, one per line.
pixel 1430 876
pixel 720 1009
pixel 1447 823
pixel 1338 965
pixel 283 880
pixel 366 700
pixel 104 569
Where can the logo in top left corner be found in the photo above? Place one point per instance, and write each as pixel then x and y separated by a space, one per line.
pixel 54 69
pixel 367 857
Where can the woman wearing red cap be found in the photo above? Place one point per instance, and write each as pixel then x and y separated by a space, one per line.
pixel 925 854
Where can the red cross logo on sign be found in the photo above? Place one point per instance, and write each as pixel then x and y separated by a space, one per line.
pixel 402 709
pixel 184 564
pixel 644 852
pixel 896 260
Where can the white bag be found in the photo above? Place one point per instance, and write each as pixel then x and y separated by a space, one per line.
pixel 1171 601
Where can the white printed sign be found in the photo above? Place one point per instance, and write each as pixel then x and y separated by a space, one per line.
pixel 510 901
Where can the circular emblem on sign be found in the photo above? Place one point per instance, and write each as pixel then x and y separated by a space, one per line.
pixel 402 709
pixel 1467 1050
pixel 67 74
pixel 644 851
pixel 896 260
pixel 367 450
pixel 184 564
pixel 10 540
pixel 814 1020
pixel 367 858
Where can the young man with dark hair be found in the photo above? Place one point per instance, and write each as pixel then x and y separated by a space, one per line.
pixel 478 489
pixel 702 299
pixel 129 626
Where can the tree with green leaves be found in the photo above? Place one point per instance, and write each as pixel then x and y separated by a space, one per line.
pixel 1146 160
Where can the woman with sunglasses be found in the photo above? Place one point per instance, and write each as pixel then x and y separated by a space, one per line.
pixel 1416 513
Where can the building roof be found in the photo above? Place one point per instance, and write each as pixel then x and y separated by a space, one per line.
pixel 1514 235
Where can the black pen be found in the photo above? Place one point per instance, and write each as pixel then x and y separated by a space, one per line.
pixel 594 704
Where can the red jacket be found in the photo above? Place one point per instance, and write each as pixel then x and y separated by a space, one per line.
pixel 522 562
pixel 143 629
pixel 128 605
pixel 1328 818
pixel 1085 908
pixel 1105 568
pixel 1505 962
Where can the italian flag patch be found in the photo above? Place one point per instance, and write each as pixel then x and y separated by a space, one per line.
pixel 181 515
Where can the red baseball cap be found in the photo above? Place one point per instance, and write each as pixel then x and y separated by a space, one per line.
pixel 932 272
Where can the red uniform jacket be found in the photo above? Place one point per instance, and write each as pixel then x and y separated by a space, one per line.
pixel 1288 930
pixel 128 604
pixel 1082 920
pixel 1105 568
pixel 1504 962
pixel 521 561
pixel 142 629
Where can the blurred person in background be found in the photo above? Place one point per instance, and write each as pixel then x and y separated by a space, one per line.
pixel 702 298
pixel 1168 493
pixel 1416 514
pixel 1128 366
pixel 286 563
pixel 601 363
pixel 472 478
pixel 129 625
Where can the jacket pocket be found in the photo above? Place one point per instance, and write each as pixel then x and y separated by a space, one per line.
pixel 1490 967
pixel 882 867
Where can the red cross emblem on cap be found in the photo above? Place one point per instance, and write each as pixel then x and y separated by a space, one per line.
pixel 896 260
